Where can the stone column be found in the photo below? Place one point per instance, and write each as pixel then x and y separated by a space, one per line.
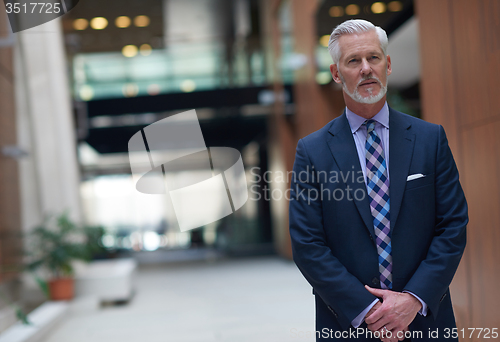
pixel 49 174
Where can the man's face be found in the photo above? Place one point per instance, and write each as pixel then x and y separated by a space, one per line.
pixel 362 69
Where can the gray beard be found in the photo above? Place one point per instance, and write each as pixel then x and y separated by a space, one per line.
pixel 356 96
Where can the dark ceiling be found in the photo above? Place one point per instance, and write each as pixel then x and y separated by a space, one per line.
pixel 388 20
pixel 113 38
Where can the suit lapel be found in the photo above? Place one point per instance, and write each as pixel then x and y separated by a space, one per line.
pixel 401 143
pixel 343 148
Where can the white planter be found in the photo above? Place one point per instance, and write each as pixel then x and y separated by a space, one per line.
pixel 108 280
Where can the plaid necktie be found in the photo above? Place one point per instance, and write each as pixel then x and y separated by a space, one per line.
pixel 378 190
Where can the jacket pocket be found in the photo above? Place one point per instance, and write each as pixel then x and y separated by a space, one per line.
pixel 419 182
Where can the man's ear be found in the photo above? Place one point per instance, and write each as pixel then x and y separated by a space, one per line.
pixel 335 73
pixel 389 69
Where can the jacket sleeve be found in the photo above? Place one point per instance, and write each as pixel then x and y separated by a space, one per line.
pixel 342 292
pixel 435 273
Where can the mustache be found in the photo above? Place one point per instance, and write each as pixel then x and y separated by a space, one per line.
pixel 369 77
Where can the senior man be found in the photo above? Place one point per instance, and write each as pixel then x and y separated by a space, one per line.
pixel 380 243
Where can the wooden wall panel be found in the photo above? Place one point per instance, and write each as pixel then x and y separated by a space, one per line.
pixel 439 106
pixel 460 50
pixel 482 189
pixel 437 78
pixel 476 66
pixel 312 111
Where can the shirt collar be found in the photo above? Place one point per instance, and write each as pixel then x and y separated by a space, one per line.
pixel 356 121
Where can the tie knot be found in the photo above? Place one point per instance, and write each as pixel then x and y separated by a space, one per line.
pixel 370 125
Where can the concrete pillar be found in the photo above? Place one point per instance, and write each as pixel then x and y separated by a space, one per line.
pixel 10 242
pixel 49 174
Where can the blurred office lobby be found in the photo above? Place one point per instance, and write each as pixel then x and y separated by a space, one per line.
pixel 75 90
pixel 250 299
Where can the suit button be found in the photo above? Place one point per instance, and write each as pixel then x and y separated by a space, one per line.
pixel 375 281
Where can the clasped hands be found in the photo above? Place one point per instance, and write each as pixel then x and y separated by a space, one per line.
pixel 395 313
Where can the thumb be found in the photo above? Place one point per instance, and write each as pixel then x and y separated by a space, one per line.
pixel 376 292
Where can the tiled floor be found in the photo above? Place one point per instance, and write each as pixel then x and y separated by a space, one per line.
pixel 239 300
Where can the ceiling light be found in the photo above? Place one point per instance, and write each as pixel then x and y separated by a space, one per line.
pixel 188 86
pixel 123 21
pixel 80 24
pixel 352 9
pixel 323 77
pixel 141 21
pixel 130 90
pixel 378 7
pixel 154 89
pixel 99 23
pixel 129 50
pixel 145 49
pixel 86 93
pixel 395 6
pixel 324 40
pixel 336 11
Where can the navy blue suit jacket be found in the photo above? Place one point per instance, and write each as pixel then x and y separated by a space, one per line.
pixel 331 226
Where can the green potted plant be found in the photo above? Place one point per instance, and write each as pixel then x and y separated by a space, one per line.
pixel 53 246
pixel 94 236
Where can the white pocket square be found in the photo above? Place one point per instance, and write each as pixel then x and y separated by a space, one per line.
pixel 415 176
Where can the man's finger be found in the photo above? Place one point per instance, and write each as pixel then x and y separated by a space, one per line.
pixel 402 334
pixel 378 324
pixel 391 326
pixel 394 325
pixel 385 337
pixel 375 326
pixel 397 334
pixel 376 315
pixel 376 292
pixel 372 310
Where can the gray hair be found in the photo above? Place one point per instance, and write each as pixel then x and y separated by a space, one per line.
pixel 354 26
